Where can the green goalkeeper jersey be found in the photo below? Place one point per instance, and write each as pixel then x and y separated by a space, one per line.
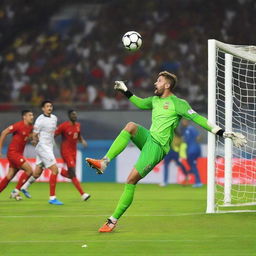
pixel 166 115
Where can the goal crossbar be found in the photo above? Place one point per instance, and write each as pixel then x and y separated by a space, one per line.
pixel 237 51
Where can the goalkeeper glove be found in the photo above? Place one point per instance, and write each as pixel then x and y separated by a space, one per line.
pixel 120 86
pixel 238 139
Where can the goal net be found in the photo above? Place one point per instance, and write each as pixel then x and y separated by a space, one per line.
pixel 232 106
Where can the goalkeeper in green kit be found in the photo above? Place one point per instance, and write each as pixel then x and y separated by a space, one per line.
pixel 167 111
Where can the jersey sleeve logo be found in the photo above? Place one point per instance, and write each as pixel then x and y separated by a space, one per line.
pixel 191 111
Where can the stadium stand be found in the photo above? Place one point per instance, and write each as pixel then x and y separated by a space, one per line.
pixel 72 53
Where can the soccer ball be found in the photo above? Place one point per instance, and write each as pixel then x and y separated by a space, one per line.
pixel 132 40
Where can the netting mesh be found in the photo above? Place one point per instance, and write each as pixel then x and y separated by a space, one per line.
pixel 243 190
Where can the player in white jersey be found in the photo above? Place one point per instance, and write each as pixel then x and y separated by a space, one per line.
pixel 43 138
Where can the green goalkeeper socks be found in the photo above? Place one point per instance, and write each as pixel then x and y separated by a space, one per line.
pixel 116 148
pixel 119 144
pixel 125 200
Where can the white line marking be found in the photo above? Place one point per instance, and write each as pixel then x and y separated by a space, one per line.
pixel 129 215
pixel 118 240
pixel 99 241
pixel 102 215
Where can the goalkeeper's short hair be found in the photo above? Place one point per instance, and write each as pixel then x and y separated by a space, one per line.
pixel 170 77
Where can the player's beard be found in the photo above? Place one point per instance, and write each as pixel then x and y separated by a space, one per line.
pixel 158 92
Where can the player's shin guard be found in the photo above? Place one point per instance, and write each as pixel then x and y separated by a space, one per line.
pixel 22 180
pixel 125 200
pixel 52 182
pixel 3 184
pixel 119 144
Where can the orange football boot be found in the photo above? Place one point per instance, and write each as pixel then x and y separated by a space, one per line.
pixel 107 227
pixel 99 164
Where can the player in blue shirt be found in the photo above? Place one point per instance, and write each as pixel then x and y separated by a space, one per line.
pixel 177 151
pixel 190 135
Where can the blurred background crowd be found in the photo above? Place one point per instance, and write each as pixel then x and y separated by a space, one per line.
pixel 71 51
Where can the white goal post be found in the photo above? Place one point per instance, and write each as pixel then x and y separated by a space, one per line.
pixel 231 105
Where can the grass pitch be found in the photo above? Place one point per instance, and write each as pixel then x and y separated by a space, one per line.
pixel 161 221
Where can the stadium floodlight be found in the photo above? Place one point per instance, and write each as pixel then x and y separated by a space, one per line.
pixel 231 105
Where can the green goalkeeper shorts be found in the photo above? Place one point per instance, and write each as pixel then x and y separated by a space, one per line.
pixel 151 151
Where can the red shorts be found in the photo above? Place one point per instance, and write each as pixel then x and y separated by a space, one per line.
pixel 16 160
pixel 70 159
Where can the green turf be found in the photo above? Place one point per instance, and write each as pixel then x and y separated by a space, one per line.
pixel 161 221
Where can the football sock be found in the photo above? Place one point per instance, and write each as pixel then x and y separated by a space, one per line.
pixel 114 220
pixel 16 190
pixel 23 178
pixel 64 173
pixel 119 144
pixel 125 200
pixel 4 182
pixel 30 181
pixel 77 185
pixel 52 182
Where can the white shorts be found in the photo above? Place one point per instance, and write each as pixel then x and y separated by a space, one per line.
pixel 45 156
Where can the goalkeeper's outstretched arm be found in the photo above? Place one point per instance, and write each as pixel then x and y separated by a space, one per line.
pixel 184 109
pixel 238 139
pixel 145 103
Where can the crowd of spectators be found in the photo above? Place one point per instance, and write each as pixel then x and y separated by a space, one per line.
pixel 75 57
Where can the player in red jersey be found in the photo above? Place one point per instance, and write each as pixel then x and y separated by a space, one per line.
pixel 70 132
pixel 21 131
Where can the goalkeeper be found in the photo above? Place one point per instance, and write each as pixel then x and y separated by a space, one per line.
pixel 167 110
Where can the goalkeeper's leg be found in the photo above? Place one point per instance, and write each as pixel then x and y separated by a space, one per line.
pixel 124 202
pixel 151 154
pixel 122 140
pixel 119 144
